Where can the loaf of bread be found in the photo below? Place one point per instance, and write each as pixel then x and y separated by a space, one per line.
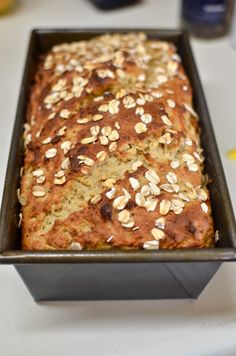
pixel 112 150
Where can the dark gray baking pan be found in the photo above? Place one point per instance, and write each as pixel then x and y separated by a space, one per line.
pixel 115 274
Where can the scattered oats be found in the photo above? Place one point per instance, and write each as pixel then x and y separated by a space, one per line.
pixel 188 142
pixel 197 156
pixel 113 106
pixel 96 199
pixel 86 160
pixel 68 97
pixel 151 204
pixel 112 147
pixel 139 199
pixel 166 120
pixel 65 163
pixel 169 91
pixel 201 194
pixel 97 117
pixel 148 98
pixel 141 77
pixel 152 176
pixel 171 103
pixel 103 108
pixel 46 141
pixel 129 102
pixel 161 78
pixel 120 94
pixel 157 94
pixel 94 130
pixel 103 140
pixel 124 216
pixel 85 170
pixel 101 156
pixel 155 190
pixel 172 67
pixel 146 118
pixel 111 193
pixel 160 223
pixel 217 236
pixel 105 73
pixel 151 245
pixel 165 207
pixel 175 163
pixel 114 135
pixel 59 174
pixel 134 183
pixel 204 207
pixel 65 114
pixel 178 202
pixel 40 180
pixel 190 110
pixel 75 246
pixel 188 158
pixel 109 183
pixel 117 125
pixel 139 111
pixel 88 140
pixel 177 209
pixel 135 228
pixel 136 165
pixel 62 131
pixel 38 133
pixel 106 130
pixel 51 153
pixel 157 234
pixel 120 202
pixel 83 120
pixel 121 73
pixel 126 193
pixel 110 238
pixel 38 173
pixel 20 220
pixel 171 178
pixel 145 190
pixel 65 146
pixel 184 196
pixel 140 101
pixel 98 98
pixel 165 139
pixel 51 116
pixel 129 224
pixel 167 188
pixel 59 181
pixel 175 188
pixel 38 191
pixel 140 127
pixel 193 167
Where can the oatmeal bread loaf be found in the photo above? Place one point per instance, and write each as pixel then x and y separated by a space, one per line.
pixel 112 151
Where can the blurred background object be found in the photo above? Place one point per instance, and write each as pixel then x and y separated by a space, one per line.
pixel 113 4
pixel 5 6
pixel 207 18
pixel 233 31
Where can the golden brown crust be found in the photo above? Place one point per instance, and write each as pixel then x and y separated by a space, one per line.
pixel 112 154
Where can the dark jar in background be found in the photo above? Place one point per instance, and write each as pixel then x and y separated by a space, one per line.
pixel 207 18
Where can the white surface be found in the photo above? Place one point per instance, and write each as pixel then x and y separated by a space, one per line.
pixel 203 327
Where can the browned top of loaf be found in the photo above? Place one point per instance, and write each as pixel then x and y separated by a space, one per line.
pixel 112 155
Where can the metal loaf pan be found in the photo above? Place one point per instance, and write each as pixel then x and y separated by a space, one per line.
pixel 115 274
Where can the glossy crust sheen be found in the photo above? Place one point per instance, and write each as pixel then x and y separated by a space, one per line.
pixel 112 153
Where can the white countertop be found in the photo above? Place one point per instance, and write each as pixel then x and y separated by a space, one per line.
pixel 206 326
